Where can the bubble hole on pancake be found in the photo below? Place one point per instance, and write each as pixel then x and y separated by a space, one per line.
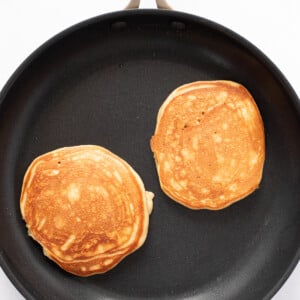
pixel 86 207
pixel 209 144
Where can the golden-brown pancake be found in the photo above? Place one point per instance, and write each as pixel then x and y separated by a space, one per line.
pixel 86 207
pixel 209 144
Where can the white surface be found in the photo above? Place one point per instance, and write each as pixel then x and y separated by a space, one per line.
pixel 272 25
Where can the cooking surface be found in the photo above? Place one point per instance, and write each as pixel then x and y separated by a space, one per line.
pixel 289 290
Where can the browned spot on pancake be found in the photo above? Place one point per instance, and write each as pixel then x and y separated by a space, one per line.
pixel 209 145
pixel 88 215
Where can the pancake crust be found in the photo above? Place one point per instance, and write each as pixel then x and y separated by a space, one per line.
pixel 209 144
pixel 86 207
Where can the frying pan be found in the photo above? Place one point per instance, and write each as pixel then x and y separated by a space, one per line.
pixel 85 87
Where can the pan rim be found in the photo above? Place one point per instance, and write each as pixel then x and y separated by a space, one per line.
pixel 252 49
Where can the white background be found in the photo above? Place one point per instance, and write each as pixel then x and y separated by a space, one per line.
pixel 272 25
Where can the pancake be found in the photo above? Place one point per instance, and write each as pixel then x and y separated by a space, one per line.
pixel 86 207
pixel 209 144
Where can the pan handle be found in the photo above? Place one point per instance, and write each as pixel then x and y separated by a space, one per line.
pixel 162 4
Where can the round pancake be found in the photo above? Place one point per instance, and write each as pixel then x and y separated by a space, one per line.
pixel 86 207
pixel 209 144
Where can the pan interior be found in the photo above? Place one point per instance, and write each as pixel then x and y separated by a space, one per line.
pixel 102 83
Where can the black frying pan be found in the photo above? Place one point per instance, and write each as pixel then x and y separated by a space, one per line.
pixel 102 82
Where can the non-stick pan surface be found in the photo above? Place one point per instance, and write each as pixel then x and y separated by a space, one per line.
pixel 102 82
